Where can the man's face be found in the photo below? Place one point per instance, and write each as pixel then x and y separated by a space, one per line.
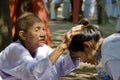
pixel 89 53
pixel 36 35
pixel 86 57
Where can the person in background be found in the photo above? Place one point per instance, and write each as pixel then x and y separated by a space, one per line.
pixel 117 28
pixel 108 8
pixel 45 3
pixel 66 10
pixel 29 58
pixel 115 9
pixel 93 10
pixel 86 12
pixel 54 5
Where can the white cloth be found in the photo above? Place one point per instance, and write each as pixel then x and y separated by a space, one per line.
pixel 110 51
pixel 0 78
pixel 16 63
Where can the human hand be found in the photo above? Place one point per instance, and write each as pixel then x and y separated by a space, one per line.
pixel 72 32
pixel 64 45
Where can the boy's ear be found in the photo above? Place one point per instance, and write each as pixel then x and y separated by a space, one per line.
pixel 87 45
pixel 22 35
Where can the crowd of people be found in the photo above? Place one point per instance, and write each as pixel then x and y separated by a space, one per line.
pixel 87 8
pixel 29 57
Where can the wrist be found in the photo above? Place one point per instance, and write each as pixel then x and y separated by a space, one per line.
pixel 65 44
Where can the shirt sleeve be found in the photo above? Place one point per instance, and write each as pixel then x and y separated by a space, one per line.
pixel 65 65
pixel 113 69
pixel 32 70
pixel 18 63
pixel 41 68
pixel 0 78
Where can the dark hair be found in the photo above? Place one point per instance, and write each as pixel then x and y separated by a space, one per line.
pixel 25 21
pixel 88 32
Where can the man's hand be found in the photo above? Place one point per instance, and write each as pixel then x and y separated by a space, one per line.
pixel 72 32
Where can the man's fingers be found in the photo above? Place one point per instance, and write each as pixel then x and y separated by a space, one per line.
pixel 75 30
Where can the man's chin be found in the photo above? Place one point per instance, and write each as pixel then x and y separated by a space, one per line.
pixel 42 44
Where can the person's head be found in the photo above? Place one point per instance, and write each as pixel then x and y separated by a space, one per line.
pixel 31 30
pixel 86 43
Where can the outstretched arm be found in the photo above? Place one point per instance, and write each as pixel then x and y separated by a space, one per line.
pixel 64 44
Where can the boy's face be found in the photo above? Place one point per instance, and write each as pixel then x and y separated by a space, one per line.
pixel 89 53
pixel 86 56
pixel 36 35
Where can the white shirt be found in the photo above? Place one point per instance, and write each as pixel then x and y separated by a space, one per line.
pixel 16 63
pixel 111 55
pixel 0 78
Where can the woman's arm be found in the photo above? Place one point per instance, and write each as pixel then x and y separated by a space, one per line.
pixel 64 45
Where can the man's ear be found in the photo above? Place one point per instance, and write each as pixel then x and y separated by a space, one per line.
pixel 87 46
pixel 22 35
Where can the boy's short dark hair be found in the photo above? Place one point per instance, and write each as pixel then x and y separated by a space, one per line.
pixel 88 33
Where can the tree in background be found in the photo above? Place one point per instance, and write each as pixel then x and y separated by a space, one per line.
pixel 5 24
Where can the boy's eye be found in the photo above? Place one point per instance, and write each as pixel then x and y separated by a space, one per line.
pixel 44 29
pixel 36 29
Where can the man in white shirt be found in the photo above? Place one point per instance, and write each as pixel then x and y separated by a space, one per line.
pixel 110 51
pixel 29 58
pixel 40 65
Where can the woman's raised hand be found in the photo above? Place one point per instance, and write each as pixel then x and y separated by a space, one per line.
pixel 72 32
